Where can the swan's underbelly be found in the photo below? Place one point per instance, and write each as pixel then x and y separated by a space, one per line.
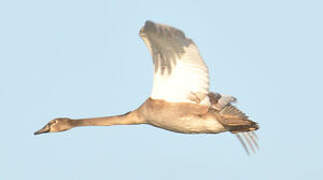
pixel 189 124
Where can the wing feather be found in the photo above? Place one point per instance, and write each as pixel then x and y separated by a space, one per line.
pixel 180 74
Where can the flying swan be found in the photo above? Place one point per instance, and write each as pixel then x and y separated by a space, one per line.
pixel 180 100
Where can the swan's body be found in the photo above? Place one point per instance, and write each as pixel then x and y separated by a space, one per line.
pixel 180 99
pixel 180 117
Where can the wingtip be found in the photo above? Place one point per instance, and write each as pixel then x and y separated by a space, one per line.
pixel 149 22
pixel 149 26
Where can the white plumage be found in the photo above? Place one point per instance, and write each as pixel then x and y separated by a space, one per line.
pixel 180 73
pixel 189 77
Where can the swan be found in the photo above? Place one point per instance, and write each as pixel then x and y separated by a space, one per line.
pixel 180 100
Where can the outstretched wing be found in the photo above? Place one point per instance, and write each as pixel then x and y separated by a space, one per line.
pixel 180 73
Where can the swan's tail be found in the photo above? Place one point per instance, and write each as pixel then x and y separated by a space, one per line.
pixel 238 123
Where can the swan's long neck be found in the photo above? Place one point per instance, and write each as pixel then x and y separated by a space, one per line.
pixel 129 118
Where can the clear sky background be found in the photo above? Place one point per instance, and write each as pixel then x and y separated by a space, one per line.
pixel 85 59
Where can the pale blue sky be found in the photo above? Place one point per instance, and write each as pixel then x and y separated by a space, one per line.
pixel 85 58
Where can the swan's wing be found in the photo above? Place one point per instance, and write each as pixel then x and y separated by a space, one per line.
pixel 180 73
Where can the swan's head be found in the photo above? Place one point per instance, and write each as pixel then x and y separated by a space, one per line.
pixel 56 125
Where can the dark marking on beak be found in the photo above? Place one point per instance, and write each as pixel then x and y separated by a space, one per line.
pixel 43 130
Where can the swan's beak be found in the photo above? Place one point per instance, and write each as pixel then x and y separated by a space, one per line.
pixel 45 129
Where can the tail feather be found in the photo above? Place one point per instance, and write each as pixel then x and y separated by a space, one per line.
pixel 236 121
pixel 230 111
pixel 239 124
